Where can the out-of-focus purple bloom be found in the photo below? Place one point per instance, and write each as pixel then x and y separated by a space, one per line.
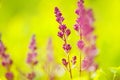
pixel 85 19
pixel 32 45
pixel 50 56
pixel 2 48
pixel 91 51
pixel 31 76
pixel 9 76
pixel 87 42
pixel 50 65
pixel 31 58
pixel 76 27
pixel 80 44
pixel 89 64
pixel 6 61
pixel 90 16
pixel 86 63
pixel 93 67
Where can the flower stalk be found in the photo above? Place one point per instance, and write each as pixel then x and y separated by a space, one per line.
pixel 50 65
pixel 87 42
pixel 70 71
pixel 31 58
pixel 64 34
pixel 6 61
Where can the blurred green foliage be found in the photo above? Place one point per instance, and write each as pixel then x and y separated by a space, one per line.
pixel 19 19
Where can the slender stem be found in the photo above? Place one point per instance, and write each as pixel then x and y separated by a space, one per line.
pixel 70 71
pixel 0 36
pixel 32 67
pixel 80 53
pixel 89 75
pixel 80 66
pixel 64 38
pixel 22 74
pixel 114 76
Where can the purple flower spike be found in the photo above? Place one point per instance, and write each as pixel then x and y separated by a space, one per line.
pixel 87 42
pixel 6 61
pixel 86 63
pixel 64 34
pixel 2 48
pixel 31 76
pixel 64 31
pixel 33 44
pixel 31 58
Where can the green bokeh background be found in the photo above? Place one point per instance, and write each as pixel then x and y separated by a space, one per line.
pixel 20 19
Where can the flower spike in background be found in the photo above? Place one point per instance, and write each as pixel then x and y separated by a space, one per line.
pixel 50 66
pixel 87 42
pixel 6 61
pixel 31 58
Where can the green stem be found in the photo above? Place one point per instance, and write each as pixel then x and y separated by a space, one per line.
pixel 80 53
pixel 80 66
pixel 89 76
pixel 114 76
pixel 70 71
pixel 0 36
